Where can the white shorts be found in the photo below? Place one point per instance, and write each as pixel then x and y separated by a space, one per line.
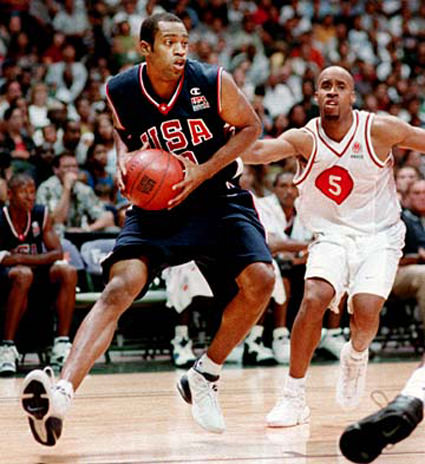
pixel 357 263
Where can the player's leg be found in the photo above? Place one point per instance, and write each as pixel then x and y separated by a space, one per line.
pixel 325 279
pixel 46 402
pixel 65 277
pixel 199 386
pixel 354 357
pixel 20 280
pixel 364 440
pixel 292 409
pixel 238 263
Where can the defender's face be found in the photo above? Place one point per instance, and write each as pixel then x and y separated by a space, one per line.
pixel 335 94
pixel 169 52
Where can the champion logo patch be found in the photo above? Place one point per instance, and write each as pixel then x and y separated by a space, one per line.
pixel 199 103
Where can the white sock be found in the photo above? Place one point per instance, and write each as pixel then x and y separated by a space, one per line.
pixel 294 385
pixel 62 338
pixel 280 332
pixel 208 366
pixel 415 386
pixel 357 354
pixel 256 331
pixel 181 331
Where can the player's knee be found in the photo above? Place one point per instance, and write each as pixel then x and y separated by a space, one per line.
pixel 66 273
pixel 121 290
pixel 259 282
pixel 22 276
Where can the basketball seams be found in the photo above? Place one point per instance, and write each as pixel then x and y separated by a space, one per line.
pixel 164 175
pixel 148 184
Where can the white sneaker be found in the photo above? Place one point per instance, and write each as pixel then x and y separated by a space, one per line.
pixel 9 356
pixel 60 351
pixel 45 403
pixel 333 341
pixel 289 411
pixel 281 347
pixel 351 378
pixel 183 355
pixel 201 391
pixel 256 354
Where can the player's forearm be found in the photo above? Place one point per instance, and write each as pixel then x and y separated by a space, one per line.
pixel 42 259
pixel 106 220
pixel 61 211
pixel 234 148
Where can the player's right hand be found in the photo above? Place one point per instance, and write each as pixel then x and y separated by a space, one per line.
pixel 69 180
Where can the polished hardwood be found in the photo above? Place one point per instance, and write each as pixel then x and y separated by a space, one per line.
pixel 139 418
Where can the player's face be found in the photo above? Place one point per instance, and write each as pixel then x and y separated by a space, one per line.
pixel 169 52
pixel 335 94
pixel 22 196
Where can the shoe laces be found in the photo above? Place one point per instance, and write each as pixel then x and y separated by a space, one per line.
pixel 206 390
pixel 351 370
pixel 9 353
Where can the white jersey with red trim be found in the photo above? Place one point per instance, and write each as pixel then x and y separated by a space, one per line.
pixel 344 187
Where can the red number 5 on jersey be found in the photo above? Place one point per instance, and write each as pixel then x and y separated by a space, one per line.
pixel 336 183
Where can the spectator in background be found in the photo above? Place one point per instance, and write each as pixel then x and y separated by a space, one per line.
pixel 72 141
pixel 38 106
pixel 404 177
pixel 104 134
pixel 32 256
pixel 17 142
pixel 67 76
pixel 73 205
pixel 410 278
pixel 12 90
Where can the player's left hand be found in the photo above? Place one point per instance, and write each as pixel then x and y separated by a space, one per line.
pixel 195 174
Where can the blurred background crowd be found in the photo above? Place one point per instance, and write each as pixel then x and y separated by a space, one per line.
pixel 57 55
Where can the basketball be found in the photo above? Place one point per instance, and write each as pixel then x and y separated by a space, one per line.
pixel 150 176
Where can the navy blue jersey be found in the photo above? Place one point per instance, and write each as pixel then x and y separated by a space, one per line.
pixel 189 124
pixel 31 240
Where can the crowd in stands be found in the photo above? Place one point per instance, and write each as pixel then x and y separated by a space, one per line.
pixel 57 55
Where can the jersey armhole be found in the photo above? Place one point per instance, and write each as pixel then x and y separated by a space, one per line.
pixel 117 120
pixel 369 145
pixel 219 87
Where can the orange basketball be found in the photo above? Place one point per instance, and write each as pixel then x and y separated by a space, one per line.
pixel 150 176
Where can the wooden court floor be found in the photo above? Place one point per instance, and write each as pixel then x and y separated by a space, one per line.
pixel 139 418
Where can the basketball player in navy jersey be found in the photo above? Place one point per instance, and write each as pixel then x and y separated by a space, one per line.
pixel 32 255
pixel 182 106
pixel 349 201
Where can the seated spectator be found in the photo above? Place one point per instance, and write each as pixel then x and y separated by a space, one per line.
pixel 32 255
pixel 404 177
pixel 70 140
pixel 72 204
pixel 17 142
pixel 410 278
pixel 68 76
pixel 12 90
pixel 96 167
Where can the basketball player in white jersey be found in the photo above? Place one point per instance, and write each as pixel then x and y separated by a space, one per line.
pixel 348 200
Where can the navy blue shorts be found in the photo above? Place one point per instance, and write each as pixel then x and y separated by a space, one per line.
pixel 224 235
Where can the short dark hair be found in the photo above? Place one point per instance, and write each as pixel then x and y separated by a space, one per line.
pixel 18 179
pixel 57 158
pixel 149 26
pixel 8 113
